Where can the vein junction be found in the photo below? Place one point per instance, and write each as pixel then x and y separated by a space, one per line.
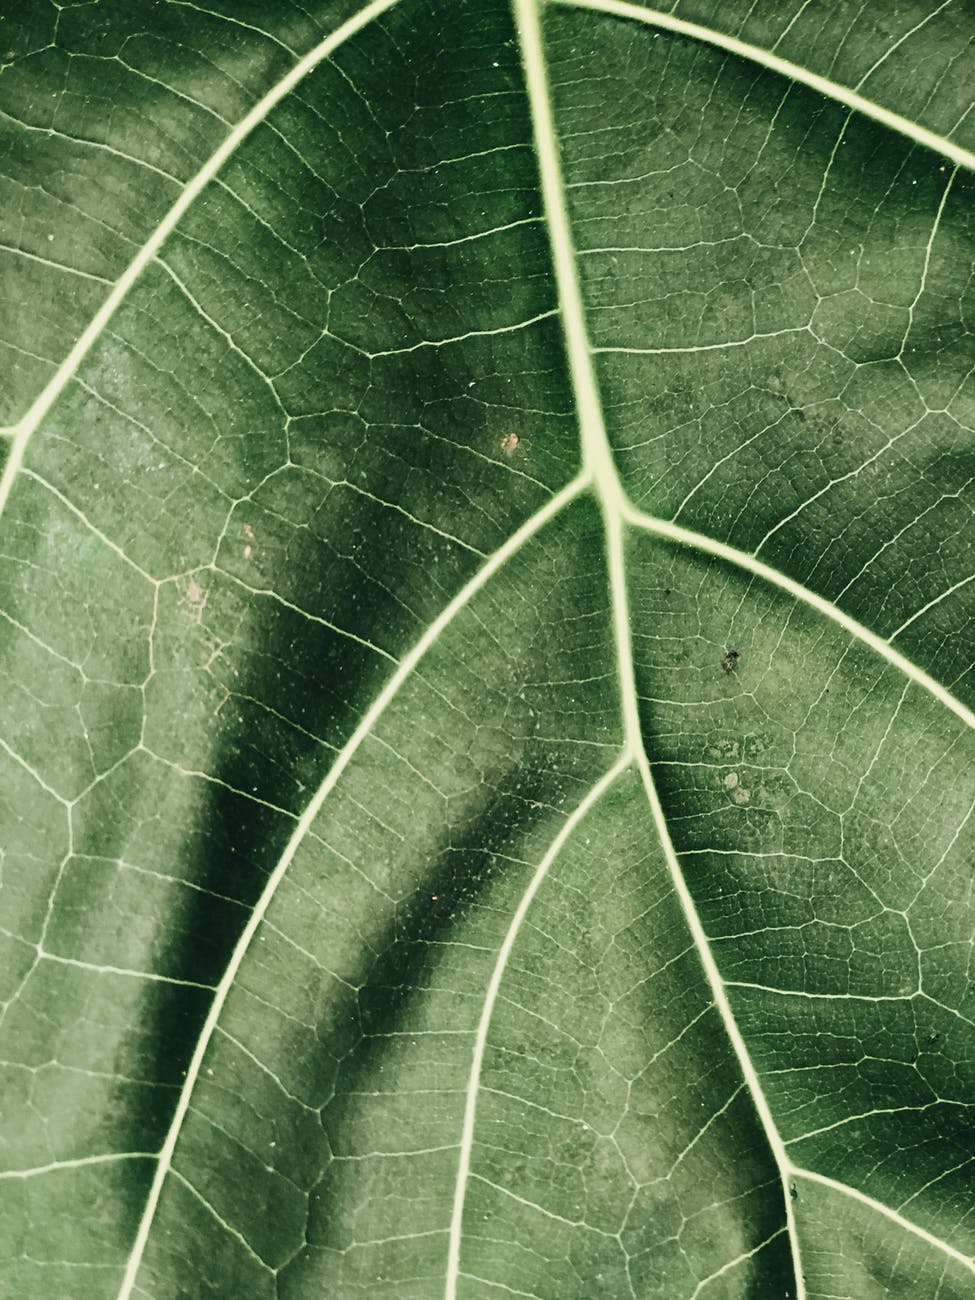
pixel 599 464
pixel 601 472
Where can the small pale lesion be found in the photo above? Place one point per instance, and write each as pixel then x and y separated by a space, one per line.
pixel 196 598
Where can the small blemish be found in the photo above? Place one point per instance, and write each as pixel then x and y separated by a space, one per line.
pixel 730 662
pixel 196 599
pixel 731 780
pixel 741 795
pixel 509 443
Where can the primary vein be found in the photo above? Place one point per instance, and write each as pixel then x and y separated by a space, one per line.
pixel 600 474
pixel 599 461
pixel 618 512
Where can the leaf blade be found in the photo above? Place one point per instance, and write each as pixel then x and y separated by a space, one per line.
pixel 322 618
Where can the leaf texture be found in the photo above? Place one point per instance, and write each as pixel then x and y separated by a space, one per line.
pixel 487 709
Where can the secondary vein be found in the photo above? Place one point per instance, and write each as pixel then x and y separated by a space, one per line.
pixel 366 725
pixel 786 68
pixel 28 425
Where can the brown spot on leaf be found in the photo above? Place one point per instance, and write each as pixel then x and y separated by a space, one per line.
pixel 509 443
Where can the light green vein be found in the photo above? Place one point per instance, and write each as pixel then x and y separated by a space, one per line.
pixel 487 1011
pixel 366 725
pixel 795 72
pixel 27 426
pixel 749 563
pixel 844 1189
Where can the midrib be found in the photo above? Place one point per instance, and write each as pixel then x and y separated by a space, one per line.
pixel 597 453
pixel 598 460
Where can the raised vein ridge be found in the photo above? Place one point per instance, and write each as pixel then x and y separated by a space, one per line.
pixel 794 71
pixel 598 458
pixel 25 428
pixel 751 564
pixel 366 724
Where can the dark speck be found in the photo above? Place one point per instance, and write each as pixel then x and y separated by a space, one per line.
pixel 730 662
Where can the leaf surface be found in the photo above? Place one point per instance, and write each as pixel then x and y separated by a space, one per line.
pixel 487 733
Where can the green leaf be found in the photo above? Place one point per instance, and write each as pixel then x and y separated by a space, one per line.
pixel 486 720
